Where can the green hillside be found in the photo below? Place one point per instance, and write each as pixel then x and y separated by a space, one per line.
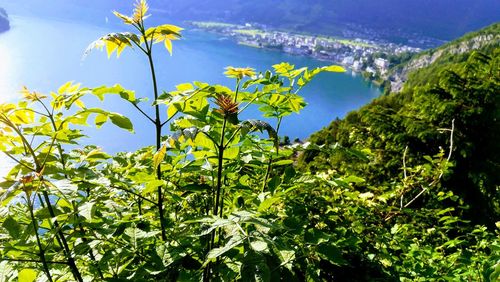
pixel 460 86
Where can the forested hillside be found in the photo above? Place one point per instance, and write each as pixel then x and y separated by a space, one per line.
pixel 458 91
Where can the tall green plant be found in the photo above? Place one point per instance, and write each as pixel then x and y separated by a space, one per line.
pixel 144 41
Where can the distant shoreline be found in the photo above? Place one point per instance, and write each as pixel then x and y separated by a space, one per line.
pixel 371 59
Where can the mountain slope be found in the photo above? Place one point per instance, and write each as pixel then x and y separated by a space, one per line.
pixel 421 67
pixel 458 91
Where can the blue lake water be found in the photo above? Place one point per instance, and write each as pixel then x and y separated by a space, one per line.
pixel 44 54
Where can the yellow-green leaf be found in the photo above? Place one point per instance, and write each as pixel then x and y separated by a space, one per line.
pixel 334 68
pixel 100 119
pixel 125 19
pixel 140 10
pixel 171 111
pixel 168 45
pixel 159 156
pixel 27 275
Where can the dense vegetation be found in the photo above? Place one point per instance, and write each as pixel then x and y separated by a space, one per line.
pixel 214 200
pixel 449 109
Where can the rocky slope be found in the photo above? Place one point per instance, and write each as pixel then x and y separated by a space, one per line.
pixel 446 54
pixel 4 21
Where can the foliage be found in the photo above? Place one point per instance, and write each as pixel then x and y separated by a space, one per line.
pixel 217 199
pixel 393 137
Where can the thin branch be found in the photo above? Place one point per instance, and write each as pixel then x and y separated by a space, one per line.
pixel 232 137
pixel 451 139
pixel 418 195
pixel 50 149
pixel 405 177
pixel 442 172
pixel 19 162
pixel 435 181
pixel 169 119
pixel 142 112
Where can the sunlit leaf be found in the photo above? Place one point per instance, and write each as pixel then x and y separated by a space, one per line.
pixel 159 156
pixel 140 10
pixel 27 275
pixel 163 33
pixel 114 42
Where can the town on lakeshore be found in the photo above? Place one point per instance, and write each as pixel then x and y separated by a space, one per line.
pixel 368 56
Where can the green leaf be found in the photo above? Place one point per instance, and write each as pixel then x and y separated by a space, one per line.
pixel 12 226
pixel 85 210
pixel 259 246
pixel 116 89
pixel 274 183
pixel 314 236
pixel 354 179
pixel 254 268
pixel 197 187
pixel 27 275
pixel 152 186
pixel 267 203
pixel 100 119
pixel 283 162
pixel 231 153
pixel 331 254
pixel 233 242
pixel 116 118
pixel 121 121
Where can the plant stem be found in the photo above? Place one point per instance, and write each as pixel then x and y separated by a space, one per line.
pixel 270 163
pixel 158 126
pixel 67 251
pixel 220 158
pixel 39 243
